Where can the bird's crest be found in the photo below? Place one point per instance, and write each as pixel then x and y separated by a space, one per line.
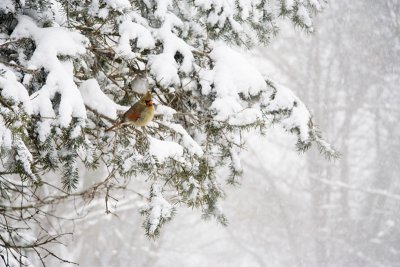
pixel 146 96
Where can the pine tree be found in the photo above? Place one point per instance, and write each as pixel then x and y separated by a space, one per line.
pixel 68 69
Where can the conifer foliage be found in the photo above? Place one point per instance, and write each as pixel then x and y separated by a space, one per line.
pixel 68 69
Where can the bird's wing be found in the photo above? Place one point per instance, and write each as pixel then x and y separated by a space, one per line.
pixel 133 113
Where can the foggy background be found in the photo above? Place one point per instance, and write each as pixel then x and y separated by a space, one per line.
pixel 291 209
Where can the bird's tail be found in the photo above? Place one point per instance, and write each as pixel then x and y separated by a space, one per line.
pixel 116 125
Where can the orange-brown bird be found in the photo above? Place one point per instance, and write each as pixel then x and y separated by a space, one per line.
pixel 140 114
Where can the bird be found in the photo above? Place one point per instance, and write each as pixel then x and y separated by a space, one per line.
pixel 140 114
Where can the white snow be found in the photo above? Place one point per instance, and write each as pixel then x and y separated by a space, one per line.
pixel 162 8
pixel 7 6
pixel 245 117
pixel 14 90
pixel 237 165
pixel 103 13
pixel 51 43
pixel 94 8
pixel 187 141
pixel 218 10
pixel 232 75
pixel 23 156
pixel 245 7
pixel 303 15
pixel 5 134
pixel 225 107
pixel 140 84
pixel 289 4
pixel 94 98
pixel 129 30
pixel 135 17
pixel 158 208
pixel 316 4
pixel 164 69
pixel 118 5
pixel 166 112
pixel 163 66
pixel 163 150
pixel 173 44
pixel 300 115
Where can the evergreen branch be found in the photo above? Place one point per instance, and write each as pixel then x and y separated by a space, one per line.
pixel 99 114
pixel 4 103
pixel 19 67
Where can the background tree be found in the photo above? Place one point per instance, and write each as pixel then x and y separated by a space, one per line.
pixel 346 76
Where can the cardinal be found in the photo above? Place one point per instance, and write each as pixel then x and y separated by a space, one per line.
pixel 140 114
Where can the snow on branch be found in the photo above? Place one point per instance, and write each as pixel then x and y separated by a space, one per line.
pixel 128 31
pixel 52 43
pixel 287 110
pixel 13 90
pixel 95 98
pixel 157 212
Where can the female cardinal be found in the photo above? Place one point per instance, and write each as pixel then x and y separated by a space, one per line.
pixel 140 114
